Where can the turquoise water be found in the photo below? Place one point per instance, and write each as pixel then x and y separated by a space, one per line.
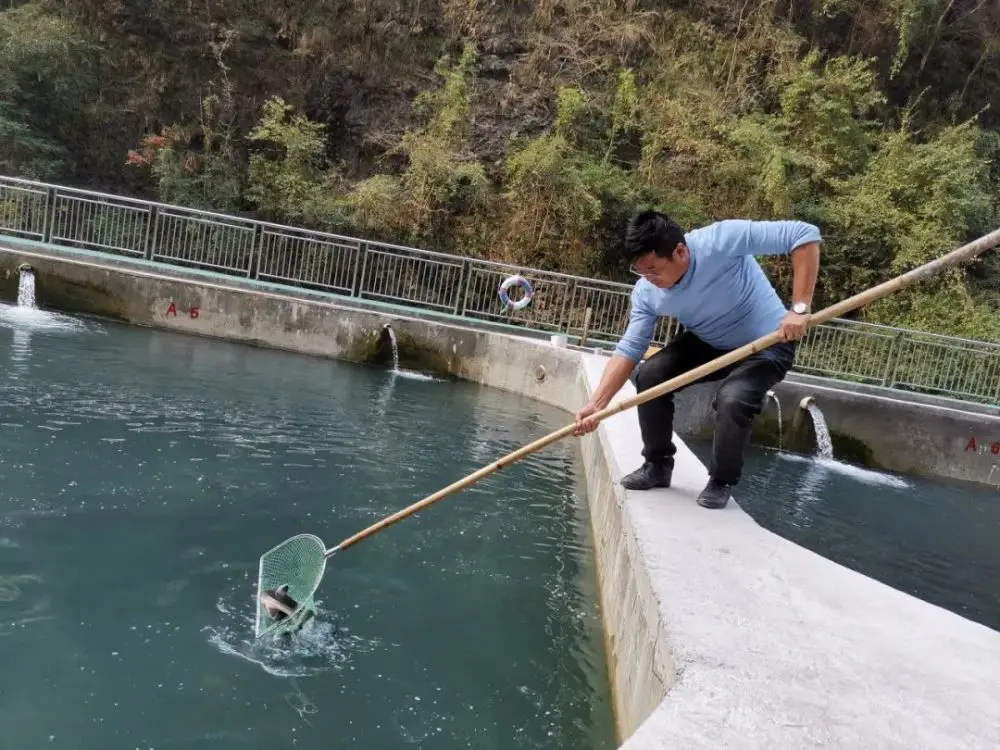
pixel 935 540
pixel 145 473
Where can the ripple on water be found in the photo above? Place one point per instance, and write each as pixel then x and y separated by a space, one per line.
pixel 411 375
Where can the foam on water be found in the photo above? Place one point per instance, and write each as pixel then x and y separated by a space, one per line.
pixel 861 474
pixel 411 375
pixel 32 319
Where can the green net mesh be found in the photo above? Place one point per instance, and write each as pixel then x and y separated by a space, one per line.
pixel 298 563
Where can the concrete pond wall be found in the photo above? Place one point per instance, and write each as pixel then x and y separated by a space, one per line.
pixel 719 633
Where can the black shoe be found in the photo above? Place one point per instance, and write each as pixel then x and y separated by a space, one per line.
pixel 715 495
pixel 647 476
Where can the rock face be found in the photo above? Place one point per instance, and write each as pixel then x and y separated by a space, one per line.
pixel 355 67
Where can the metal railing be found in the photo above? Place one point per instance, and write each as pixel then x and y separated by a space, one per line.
pixel 353 267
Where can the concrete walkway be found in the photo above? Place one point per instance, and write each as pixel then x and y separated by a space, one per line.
pixel 778 647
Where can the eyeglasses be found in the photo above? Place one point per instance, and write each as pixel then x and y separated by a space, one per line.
pixel 647 274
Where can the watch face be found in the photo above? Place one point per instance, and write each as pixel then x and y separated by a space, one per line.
pixel 799 308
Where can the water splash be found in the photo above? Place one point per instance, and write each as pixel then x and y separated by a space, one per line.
pixel 26 290
pixel 770 396
pixel 824 446
pixel 319 647
pixel 26 317
pixel 411 375
pixel 396 372
pixel 395 348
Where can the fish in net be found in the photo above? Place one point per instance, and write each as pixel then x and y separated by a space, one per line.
pixel 287 580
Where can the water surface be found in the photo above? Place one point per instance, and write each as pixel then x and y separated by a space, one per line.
pixel 144 474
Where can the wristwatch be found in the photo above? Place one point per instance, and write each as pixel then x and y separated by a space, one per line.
pixel 800 308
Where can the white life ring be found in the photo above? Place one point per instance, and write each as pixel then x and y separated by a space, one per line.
pixel 525 288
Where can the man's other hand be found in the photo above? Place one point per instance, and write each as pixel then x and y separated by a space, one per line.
pixel 794 326
pixel 585 421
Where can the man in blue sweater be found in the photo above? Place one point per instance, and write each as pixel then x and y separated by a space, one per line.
pixel 709 280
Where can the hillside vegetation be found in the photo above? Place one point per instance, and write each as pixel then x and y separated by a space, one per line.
pixel 529 131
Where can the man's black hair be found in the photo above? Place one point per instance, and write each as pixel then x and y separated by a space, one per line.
pixel 652 231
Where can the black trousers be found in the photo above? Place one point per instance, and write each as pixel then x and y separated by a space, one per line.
pixel 739 399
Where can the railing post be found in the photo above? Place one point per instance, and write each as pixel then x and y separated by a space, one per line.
pixel 256 248
pixel 50 215
pixel 586 326
pixel 357 268
pixel 361 266
pixel 149 241
pixel 564 314
pixel 996 393
pixel 465 290
pixel 460 286
pixel 891 359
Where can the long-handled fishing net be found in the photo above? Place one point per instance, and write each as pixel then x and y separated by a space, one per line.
pixel 298 563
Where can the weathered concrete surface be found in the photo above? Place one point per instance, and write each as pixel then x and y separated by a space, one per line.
pixel 720 633
pixel 774 646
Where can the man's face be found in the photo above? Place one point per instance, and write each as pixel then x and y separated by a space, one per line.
pixel 662 272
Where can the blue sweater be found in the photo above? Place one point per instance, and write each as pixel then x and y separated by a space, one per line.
pixel 724 298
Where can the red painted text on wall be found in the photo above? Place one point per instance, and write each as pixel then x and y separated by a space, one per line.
pixel 194 312
pixel 981 448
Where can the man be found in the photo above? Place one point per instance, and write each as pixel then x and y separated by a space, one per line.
pixel 710 281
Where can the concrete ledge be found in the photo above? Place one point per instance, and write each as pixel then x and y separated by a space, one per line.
pixel 720 633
